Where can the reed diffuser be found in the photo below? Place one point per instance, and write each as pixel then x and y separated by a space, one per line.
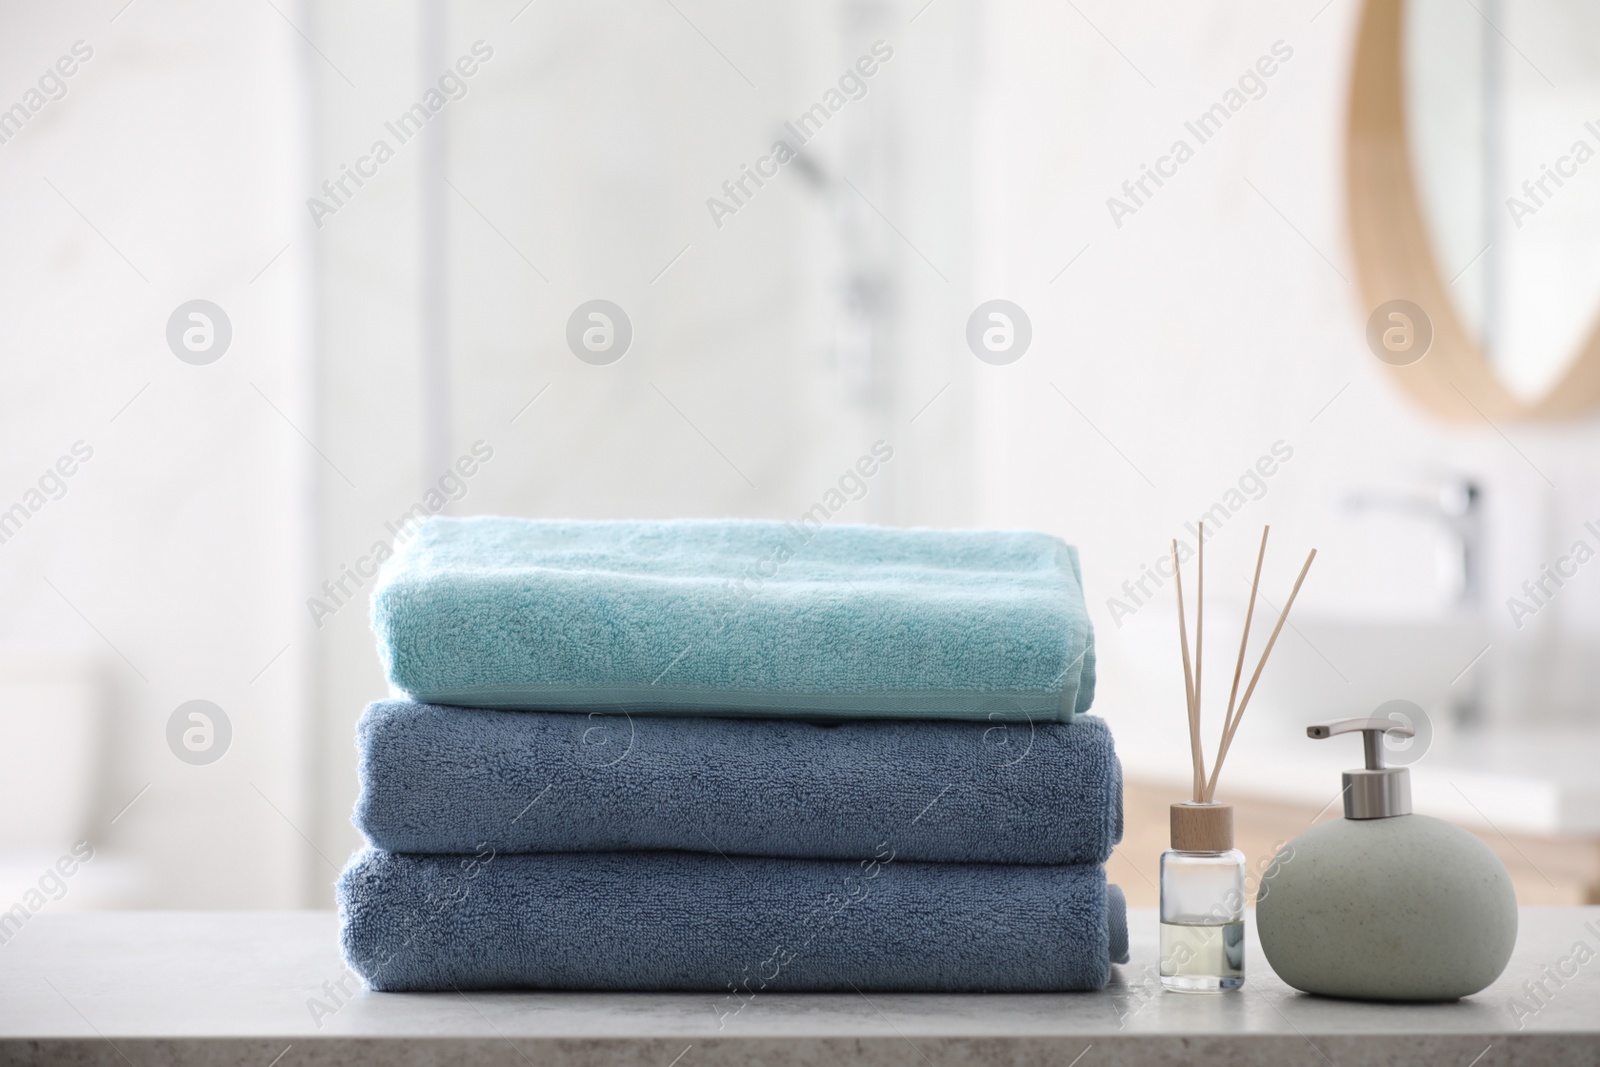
pixel 1202 874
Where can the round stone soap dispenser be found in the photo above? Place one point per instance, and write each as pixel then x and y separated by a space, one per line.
pixel 1384 904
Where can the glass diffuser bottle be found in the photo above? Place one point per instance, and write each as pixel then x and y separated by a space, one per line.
pixel 1202 902
pixel 1202 874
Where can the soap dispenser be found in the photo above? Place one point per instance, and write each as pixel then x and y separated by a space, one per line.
pixel 1384 904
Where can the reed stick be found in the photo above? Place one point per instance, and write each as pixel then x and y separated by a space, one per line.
pixel 1199 642
pixel 1227 737
pixel 1188 680
pixel 1244 638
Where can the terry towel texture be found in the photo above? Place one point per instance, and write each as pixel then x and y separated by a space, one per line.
pixel 677 921
pixel 468 780
pixel 737 617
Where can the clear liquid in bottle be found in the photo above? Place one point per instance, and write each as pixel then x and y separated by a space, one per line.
pixel 1202 921
pixel 1202 957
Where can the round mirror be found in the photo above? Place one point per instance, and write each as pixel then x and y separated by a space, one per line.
pixel 1474 200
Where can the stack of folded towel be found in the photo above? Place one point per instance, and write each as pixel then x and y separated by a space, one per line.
pixel 733 756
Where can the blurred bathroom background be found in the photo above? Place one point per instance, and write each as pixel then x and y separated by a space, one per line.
pixel 1198 350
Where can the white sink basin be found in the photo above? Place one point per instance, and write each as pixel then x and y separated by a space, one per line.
pixel 1532 780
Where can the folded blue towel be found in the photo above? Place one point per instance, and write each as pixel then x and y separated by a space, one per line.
pixel 680 921
pixel 737 617
pixel 463 780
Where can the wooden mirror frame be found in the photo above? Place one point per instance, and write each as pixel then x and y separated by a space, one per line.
pixel 1394 257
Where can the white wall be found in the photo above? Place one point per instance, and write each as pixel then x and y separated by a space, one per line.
pixel 167 569
pixel 1220 318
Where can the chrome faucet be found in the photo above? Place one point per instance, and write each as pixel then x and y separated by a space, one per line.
pixel 1457 505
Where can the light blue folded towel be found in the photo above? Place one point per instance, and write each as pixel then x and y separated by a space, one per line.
pixel 463 780
pixel 737 617
pixel 732 926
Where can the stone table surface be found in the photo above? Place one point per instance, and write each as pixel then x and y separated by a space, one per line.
pixel 264 988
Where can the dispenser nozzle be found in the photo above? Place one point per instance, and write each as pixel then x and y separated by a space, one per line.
pixel 1376 792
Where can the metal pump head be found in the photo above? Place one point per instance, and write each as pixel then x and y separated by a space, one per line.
pixel 1376 791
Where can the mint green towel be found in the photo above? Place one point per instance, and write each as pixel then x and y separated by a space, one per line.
pixel 737 617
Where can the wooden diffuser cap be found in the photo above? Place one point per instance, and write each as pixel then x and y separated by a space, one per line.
pixel 1202 827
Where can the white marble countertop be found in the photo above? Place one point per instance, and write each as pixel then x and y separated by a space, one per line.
pixel 229 987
